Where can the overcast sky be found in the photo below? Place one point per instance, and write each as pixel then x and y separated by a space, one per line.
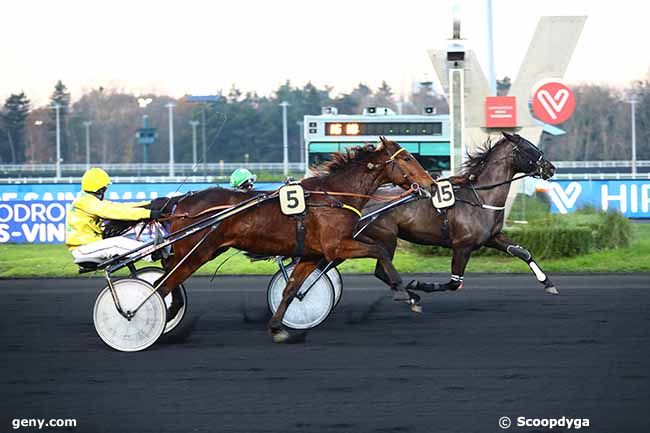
pixel 199 47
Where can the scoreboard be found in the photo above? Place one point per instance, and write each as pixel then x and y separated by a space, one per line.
pixel 425 136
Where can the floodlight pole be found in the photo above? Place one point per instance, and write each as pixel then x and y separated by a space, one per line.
pixel 87 124
pixel 171 106
pixel 57 107
pixel 633 101
pixel 194 124
pixel 285 141
pixel 490 46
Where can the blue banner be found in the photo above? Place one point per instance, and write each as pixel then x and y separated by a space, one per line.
pixel 629 197
pixel 35 213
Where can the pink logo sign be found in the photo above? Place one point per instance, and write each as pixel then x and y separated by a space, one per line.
pixel 500 112
pixel 553 103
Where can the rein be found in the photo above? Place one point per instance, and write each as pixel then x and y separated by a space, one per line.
pixel 494 185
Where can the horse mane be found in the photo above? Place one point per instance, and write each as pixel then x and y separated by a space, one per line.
pixel 342 160
pixel 475 161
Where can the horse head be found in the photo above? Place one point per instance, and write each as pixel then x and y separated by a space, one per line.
pixel 400 167
pixel 527 158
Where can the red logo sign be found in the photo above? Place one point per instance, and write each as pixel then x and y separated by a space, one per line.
pixel 553 102
pixel 500 112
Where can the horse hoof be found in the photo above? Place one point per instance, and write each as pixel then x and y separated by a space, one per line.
pixel 552 290
pixel 416 308
pixel 281 336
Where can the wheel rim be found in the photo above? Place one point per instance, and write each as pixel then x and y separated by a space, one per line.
pixel 309 312
pixel 143 329
pixel 151 275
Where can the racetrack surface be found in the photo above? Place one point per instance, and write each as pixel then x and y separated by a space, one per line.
pixel 499 347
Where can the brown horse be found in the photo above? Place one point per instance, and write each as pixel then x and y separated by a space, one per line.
pixel 329 222
pixel 476 220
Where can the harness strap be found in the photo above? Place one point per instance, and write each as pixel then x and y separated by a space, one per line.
pixel 487 206
pixel 352 209
pixel 300 235
pixel 372 197
pixel 392 158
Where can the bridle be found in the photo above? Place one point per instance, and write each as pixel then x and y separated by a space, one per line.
pixel 393 162
pixel 537 171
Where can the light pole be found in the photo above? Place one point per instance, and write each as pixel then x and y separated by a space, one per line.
pixel 633 101
pixel 285 141
pixel 194 124
pixel 87 124
pixel 204 154
pixel 171 106
pixel 57 107
pixel 302 141
pixel 490 47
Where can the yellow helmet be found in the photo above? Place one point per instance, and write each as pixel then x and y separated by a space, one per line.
pixel 95 179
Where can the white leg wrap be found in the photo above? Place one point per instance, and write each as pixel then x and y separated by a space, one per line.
pixel 541 276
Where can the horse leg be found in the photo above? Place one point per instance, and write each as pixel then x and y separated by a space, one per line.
pixel 350 248
pixel 380 273
pixel 298 276
pixel 501 242
pixel 460 257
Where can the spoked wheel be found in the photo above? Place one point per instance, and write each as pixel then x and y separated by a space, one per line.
pixel 143 329
pixel 310 311
pixel 151 274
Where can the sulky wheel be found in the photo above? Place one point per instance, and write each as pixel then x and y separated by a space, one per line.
pixel 313 309
pixel 143 329
pixel 151 274
pixel 333 274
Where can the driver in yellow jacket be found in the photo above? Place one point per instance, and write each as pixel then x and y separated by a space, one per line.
pixel 83 235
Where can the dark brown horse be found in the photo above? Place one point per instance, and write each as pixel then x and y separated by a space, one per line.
pixel 476 220
pixel 329 222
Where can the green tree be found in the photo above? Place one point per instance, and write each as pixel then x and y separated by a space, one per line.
pixel 14 115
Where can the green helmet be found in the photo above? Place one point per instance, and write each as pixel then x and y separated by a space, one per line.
pixel 241 176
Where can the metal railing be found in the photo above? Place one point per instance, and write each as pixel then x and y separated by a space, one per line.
pixel 150 168
pixel 599 164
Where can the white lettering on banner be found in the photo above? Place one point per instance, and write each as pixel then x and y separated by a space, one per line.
pixel 65 196
pixel 48 196
pixel 634 204
pixel 32 232
pixel 56 232
pixel 6 213
pixel 645 197
pixel 6 196
pixel 50 213
pixel 140 195
pixel 30 196
pixel 606 198
pixel 19 216
pixel 4 233
pixel 38 212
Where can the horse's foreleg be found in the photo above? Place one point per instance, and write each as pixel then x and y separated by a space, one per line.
pixel 501 242
pixel 298 276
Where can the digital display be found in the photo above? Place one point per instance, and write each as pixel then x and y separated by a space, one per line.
pixel 381 128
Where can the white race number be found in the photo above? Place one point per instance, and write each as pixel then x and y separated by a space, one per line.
pixel 444 195
pixel 292 199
